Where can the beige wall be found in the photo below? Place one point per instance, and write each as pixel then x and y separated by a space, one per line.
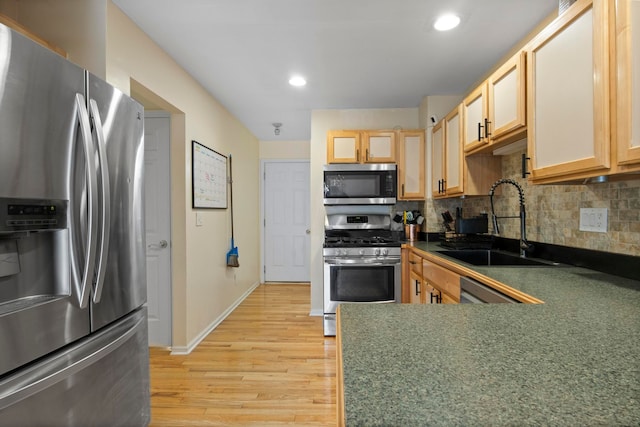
pixel 204 287
pixel 285 150
pixel 321 122
pixel 76 26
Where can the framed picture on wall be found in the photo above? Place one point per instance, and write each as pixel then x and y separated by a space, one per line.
pixel 208 177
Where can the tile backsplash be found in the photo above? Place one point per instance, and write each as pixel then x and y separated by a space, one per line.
pixel 553 211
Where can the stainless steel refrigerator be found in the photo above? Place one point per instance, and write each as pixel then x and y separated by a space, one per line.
pixel 73 328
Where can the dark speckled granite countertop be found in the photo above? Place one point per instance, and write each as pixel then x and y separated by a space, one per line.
pixel 574 360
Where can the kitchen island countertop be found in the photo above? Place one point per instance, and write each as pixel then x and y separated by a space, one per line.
pixel 574 360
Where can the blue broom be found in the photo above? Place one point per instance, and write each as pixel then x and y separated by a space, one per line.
pixel 232 255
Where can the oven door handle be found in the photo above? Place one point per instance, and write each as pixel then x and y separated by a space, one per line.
pixel 360 261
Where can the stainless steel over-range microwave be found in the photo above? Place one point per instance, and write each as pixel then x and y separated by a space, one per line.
pixel 360 184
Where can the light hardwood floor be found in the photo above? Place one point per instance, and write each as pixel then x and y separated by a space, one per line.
pixel 266 364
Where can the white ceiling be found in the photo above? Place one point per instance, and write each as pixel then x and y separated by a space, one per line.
pixel 353 53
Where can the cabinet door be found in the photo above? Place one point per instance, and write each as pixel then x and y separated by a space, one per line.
pixel 453 152
pixel 474 112
pixel 507 96
pixel 415 288
pixel 411 165
pixel 378 147
pixel 432 295
pixel 437 160
pixel 568 99
pixel 343 146
pixel 627 16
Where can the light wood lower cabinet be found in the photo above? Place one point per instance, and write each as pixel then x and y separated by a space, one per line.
pixel 427 283
pixel 415 289
pixel 444 284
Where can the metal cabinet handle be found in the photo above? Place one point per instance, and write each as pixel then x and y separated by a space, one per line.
pixel 487 134
pixel 479 131
pixel 367 154
pixel 417 287
pixel 525 172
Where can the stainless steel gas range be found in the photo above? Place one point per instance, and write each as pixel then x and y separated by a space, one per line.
pixel 361 262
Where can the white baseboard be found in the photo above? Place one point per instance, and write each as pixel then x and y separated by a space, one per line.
pixel 182 350
pixel 316 312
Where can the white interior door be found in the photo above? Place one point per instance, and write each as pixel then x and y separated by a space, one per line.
pixel 286 221
pixel 158 223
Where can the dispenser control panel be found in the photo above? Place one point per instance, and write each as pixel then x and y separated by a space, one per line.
pixel 32 215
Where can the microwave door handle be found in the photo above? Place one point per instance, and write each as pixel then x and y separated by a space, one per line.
pixel 105 199
pixel 92 215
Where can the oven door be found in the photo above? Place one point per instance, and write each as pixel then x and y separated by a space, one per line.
pixel 360 280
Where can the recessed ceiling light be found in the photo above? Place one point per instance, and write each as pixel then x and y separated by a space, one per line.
pixel 297 81
pixel 446 22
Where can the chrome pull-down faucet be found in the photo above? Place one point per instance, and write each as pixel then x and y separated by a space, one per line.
pixel 524 245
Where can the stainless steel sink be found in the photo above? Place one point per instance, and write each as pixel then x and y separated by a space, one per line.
pixel 494 258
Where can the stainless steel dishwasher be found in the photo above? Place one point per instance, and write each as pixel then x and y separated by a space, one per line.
pixel 474 292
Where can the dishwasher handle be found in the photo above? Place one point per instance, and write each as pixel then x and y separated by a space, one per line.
pixel 474 292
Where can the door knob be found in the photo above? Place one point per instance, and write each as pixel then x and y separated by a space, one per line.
pixel 161 245
pixel 308 231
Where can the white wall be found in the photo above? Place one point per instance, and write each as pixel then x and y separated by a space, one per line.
pixel 321 122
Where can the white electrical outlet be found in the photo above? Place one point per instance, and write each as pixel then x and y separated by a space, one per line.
pixel 199 220
pixel 593 219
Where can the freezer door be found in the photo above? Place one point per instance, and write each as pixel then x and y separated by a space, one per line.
pixel 103 380
pixel 121 266
pixel 38 118
pixel 40 305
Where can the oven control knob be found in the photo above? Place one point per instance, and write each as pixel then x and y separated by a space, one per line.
pixel 385 252
pixel 343 251
pixel 376 252
pixel 361 251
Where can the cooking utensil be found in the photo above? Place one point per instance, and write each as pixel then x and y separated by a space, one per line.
pixel 232 255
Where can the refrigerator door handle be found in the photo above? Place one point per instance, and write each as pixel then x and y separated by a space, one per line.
pixel 105 202
pixel 92 212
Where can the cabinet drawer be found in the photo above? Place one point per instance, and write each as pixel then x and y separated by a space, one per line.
pixel 415 262
pixel 441 278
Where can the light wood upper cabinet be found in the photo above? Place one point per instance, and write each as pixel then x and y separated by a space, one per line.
pixel 452 174
pixel 568 98
pixel 379 146
pixel 494 113
pixel 453 156
pixel 446 156
pixel 411 165
pixel 437 159
pixel 627 85
pixel 507 98
pixel 355 146
pixel 343 146
pixel 475 119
